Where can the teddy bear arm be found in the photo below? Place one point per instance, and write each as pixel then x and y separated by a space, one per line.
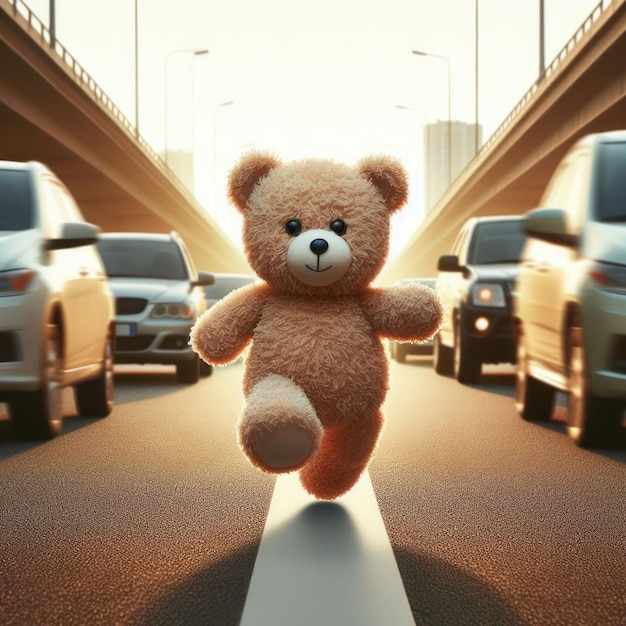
pixel 223 331
pixel 411 312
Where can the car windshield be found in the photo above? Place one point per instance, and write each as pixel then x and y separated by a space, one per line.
pixel 142 259
pixel 223 285
pixel 16 207
pixel 497 242
pixel 611 189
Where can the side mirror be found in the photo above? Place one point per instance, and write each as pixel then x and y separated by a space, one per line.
pixel 74 235
pixel 204 279
pixel 549 225
pixel 449 263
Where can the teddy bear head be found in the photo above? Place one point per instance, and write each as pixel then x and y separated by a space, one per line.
pixel 314 226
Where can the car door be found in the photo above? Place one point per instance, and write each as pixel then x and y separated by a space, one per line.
pixel 80 283
pixel 449 287
pixel 546 268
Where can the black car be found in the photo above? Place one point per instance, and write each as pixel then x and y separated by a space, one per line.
pixel 476 283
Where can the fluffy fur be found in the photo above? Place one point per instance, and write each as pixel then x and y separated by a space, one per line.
pixel 316 373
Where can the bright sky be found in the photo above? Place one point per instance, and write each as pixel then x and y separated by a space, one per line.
pixel 314 78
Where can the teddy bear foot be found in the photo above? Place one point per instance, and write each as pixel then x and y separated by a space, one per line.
pixel 279 429
pixel 326 484
pixel 284 448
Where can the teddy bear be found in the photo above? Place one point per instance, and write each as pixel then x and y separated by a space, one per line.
pixel 316 232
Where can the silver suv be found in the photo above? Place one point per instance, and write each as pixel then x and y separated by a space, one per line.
pixel 57 325
pixel 158 296
pixel 570 308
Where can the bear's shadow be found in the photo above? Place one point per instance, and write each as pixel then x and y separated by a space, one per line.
pixel 326 539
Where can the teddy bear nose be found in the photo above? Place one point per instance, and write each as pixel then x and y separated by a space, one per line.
pixel 319 246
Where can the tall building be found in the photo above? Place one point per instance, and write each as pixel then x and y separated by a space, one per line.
pixel 181 163
pixel 462 149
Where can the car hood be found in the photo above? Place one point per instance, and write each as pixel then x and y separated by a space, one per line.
pixel 18 249
pixel 151 289
pixel 605 242
pixel 501 271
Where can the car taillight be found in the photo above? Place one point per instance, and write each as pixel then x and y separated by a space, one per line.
pixel 15 282
pixel 609 277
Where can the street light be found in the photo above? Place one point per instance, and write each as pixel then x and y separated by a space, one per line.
pixel 436 56
pixel 195 52
pixel 136 70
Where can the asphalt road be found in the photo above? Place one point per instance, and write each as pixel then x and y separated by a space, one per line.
pixel 152 515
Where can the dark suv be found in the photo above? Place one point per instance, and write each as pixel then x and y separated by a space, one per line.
pixel 476 283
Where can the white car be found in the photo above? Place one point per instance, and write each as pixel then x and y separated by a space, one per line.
pixel 158 296
pixel 57 325
pixel 570 305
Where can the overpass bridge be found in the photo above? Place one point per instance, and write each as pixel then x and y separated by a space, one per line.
pixel 51 110
pixel 582 91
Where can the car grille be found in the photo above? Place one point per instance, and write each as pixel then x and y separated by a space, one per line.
pixel 130 306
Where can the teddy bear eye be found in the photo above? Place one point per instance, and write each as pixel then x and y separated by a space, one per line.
pixel 339 227
pixel 293 227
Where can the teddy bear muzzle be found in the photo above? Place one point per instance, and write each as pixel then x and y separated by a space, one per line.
pixel 319 257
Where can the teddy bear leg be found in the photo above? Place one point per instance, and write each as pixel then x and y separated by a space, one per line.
pixel 279 429
pixel 343 456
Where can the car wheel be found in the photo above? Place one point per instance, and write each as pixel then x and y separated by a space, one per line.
pixel 188 372
pixel 94 398
pixel 591 421
pixel 534 400
pixel 443 358
pixel 37 414
pixel 400 352
pixel 205 369
pixel 467 366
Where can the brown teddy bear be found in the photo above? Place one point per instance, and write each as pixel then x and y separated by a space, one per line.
pixel 316 373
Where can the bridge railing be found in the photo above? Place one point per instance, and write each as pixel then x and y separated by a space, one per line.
pixel 41 33
pixel 525 99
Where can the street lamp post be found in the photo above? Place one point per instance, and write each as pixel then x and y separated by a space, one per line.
pixel 476 77
pixel 436 56
pixel 195 52
pixel 136 70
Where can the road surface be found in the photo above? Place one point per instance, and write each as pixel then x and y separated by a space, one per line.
pixel 468 515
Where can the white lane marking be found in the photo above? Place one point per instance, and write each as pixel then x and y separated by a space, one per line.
pixel 325 563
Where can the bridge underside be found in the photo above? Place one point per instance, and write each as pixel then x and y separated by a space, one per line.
pixel 101 201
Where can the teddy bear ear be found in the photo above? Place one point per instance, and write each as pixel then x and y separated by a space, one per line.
pixel 247 173
pixel 389 177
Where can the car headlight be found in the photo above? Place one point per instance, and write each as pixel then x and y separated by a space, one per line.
pixel 173 310
pixel 609 277
pixel 15 281
pixel 488 294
